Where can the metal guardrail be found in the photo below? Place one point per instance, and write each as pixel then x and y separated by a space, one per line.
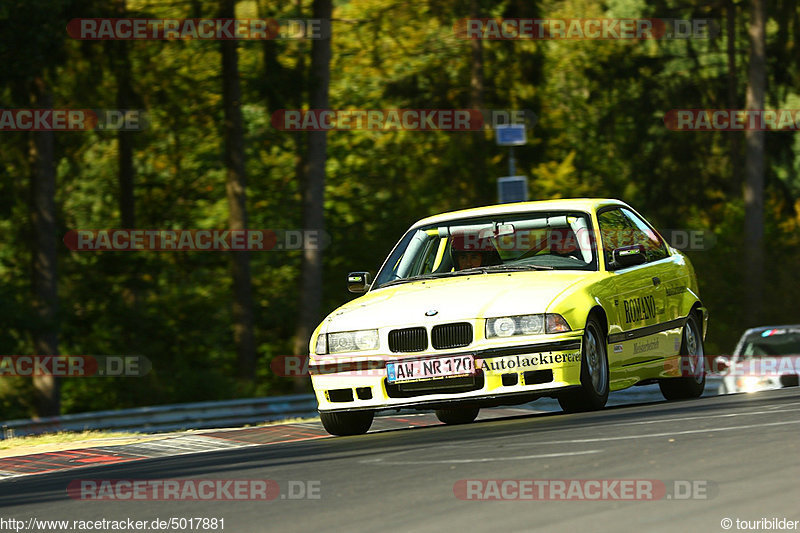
pixel 203 415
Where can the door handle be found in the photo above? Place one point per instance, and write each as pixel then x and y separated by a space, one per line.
pixel 656 281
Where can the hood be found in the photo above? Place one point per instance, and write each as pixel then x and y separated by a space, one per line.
pixel 454 299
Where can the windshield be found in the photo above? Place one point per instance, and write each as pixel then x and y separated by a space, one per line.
pixel 772 342
pixel 529 241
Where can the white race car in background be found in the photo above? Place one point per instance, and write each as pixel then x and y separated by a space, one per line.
pixel 765 358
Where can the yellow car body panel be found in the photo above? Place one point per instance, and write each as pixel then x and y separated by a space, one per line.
pixel 642 308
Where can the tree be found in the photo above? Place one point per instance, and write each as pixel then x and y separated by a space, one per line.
pixel 28 75
pixel 476 101
pixel 45 274
pixel 236 189
pixel 121 65
pixel 314 186
pixel 754 167
pixel 735 140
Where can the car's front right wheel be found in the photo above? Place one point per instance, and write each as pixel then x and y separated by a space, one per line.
pixel 347 423
pixel 692 365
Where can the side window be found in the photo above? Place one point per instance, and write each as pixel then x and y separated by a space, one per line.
pixel 621 227
pixel 424 263
pixel 614 231
pixel 642 234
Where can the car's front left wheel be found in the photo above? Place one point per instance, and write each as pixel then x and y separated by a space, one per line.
pixel 347 423
pixel 593 391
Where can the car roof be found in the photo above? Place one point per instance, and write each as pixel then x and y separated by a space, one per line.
pixel 578 204
pixel 752 331
pixel 759 329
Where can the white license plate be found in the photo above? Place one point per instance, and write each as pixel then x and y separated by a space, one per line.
pixel 432 368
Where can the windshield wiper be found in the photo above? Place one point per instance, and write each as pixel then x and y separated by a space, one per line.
pixel 499 268
pixel 519 268
pixel 409 280
pixel 468 271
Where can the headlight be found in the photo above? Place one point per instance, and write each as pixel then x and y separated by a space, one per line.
pixel 752 383
pixel 353 341
pixel 322 344
pixel 525 325
pixel 531 324
pixel 501 327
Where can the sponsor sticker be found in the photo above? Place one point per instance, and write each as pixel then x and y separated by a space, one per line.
pixel 646 346
pixel 529 361
pixel 639 309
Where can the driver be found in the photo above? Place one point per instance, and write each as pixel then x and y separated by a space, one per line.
pixel 564 243
pixel 469 251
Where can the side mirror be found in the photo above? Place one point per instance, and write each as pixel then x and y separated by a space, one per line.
pixel 358 282
pixel 629 256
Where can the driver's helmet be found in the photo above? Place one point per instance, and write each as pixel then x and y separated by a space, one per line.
pixel 466 244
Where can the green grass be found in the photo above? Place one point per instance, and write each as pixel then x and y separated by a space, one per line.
pixel 65 437
pixel 61 438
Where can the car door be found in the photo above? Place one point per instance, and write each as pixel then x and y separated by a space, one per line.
pixel 640 299
pixel 670 275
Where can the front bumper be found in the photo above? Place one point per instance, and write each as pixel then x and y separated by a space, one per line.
pixel 505 375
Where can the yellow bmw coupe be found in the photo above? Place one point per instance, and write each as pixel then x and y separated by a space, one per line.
pixel 505 304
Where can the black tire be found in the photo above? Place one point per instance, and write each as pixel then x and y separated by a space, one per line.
pixel 347 423
pixel 692 361
pixel 593 391
pixel 459 415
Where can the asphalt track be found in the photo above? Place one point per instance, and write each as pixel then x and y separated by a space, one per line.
pixel 741 451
